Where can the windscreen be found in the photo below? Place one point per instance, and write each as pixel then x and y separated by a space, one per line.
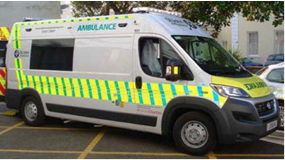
pixel 211 56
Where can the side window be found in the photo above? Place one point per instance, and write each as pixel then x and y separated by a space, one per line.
pixel 2 53
pixel 52 54
pixel 154 54
pixel 276 75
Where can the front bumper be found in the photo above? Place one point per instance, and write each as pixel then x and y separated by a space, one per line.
pixel 242 122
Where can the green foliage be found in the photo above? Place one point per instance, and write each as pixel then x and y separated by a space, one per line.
pixel 215 14
pixel 236 53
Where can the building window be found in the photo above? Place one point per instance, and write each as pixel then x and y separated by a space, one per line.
pixel 52 54
pixel 252 43
pixel 279 42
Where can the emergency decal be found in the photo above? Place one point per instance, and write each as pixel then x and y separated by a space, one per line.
pixel 4 33
pixel 118 92
pixel 2 81
pixel 250 86
pixel 97 27
pixel 253 85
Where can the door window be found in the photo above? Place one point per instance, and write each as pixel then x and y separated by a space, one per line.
pixel 154 54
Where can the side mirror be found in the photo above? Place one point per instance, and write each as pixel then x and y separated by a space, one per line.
pixel 173 70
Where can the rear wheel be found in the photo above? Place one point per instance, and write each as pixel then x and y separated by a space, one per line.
pixel 32 111
pixel 195 133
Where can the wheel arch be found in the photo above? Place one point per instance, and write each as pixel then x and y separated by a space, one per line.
pixel 14 98
pixel 181 105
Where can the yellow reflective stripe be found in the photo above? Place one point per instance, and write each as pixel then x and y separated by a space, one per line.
pixel 24 80
pixel 193 90
pixel 113 90
pixel 52 85
pixel 157 95
pixel 59 86
pixel 76 87
pixel 132 88
pixel 103 90
pixel 38 85
pixel 14 37
pixel 168 92
pixel 68 87
pixel 123 91
pixel 94 89
pixel 145 94
pixel 18 36
pixel 16 67
pixel 45 86
pixel 179 90
pixel 207 93
pixel 85 88
pixel 222 100
pixel 30 81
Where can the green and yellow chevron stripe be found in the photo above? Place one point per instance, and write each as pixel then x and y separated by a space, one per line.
pixel 151 93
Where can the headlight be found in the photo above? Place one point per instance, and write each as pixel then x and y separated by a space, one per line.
pixel 227 91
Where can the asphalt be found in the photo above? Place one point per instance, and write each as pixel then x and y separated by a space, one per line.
pixel 70 140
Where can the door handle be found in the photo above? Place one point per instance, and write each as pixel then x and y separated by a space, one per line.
pixel 139 82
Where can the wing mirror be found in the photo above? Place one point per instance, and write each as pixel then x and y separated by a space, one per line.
pixel 173 70
pixel 176 70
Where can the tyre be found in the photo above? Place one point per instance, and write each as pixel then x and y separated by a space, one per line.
pixel 32 111
pixel 195 133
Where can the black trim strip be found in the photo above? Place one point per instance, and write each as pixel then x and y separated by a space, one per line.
pixel 106 115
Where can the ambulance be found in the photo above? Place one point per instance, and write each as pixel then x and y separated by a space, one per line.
pixel 150 71
pixel 4 37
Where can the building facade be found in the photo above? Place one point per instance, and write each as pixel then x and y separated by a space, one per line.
pixel 11 12
pixel 254 40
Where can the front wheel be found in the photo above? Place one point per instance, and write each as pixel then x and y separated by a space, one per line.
pixel 195 133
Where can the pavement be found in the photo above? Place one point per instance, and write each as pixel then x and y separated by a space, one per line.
pixel 61 139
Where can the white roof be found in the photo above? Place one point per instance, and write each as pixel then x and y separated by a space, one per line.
pixel 164 24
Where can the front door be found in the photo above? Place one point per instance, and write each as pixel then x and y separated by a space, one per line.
pixel 152 90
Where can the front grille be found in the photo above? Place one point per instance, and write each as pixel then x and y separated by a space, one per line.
pixel 265 108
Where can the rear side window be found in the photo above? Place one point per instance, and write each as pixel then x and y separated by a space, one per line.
pixel 52 54
pixel 2 53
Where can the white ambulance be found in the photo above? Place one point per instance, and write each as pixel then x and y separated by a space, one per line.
pixel 151 71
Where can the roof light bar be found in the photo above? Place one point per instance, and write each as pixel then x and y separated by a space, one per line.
pixel 154 10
